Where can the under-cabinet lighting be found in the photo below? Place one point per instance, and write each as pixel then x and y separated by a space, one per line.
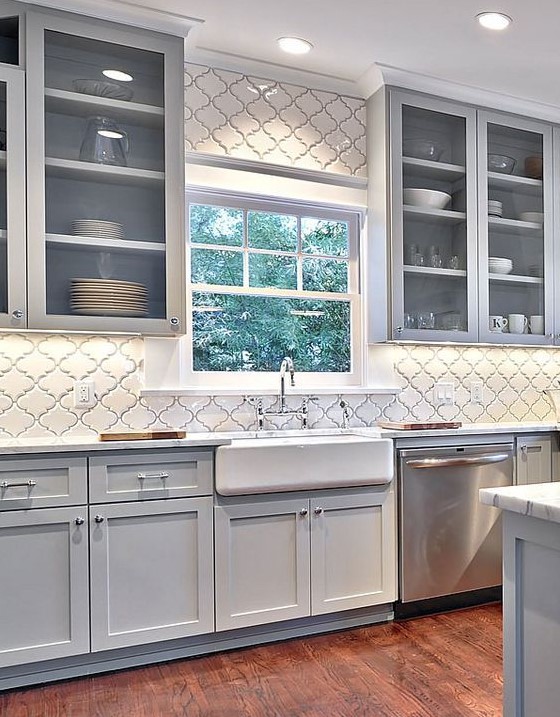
pixel 294 45
pixel 494 20
pixel 118 75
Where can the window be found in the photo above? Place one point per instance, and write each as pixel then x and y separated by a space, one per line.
pixel 269 280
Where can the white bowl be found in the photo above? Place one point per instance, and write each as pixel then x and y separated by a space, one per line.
pixel 535 217
pixel 429 198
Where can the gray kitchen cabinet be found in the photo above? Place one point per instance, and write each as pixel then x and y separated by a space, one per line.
pixel 516 268
pixel 152 572
pixel 304 556
pixel 353 551
pixel 534 459
pixel 44 606
pixel 105 176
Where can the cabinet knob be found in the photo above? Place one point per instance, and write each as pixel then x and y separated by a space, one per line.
pixel 318 511
pixel 17 314
pixel 399 330
pixel 99 518
pixel 79 521
pixel 174 322
pixel 303 512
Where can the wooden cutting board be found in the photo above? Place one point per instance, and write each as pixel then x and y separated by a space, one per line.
pixel 398 426
pixel 142 436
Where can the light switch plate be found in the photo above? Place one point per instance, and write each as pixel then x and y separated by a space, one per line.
pixel 444 393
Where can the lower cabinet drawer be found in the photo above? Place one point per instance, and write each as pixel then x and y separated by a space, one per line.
pixel 42 482
pixel 149 476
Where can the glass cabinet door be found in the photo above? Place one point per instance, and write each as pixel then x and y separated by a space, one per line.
pixel 107 222
pixel 13 310
pixel 433 220
pixel 515 228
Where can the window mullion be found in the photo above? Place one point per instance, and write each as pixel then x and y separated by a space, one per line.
pixel 246 248
pixel 299 257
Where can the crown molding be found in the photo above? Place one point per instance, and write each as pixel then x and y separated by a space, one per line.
pixel 128 13
pixel 271 71
pixel 380 74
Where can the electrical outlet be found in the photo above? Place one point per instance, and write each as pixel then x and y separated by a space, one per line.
pixel 84 394
pixel 444 393
pixel 477 392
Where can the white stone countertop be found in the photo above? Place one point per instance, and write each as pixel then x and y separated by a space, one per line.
pixel 475 428
pixel 209 439
pixel 540 500
pixel 87 444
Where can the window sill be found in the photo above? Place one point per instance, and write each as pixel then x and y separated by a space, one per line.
pixel 296 391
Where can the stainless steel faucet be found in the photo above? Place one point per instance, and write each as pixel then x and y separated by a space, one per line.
pixel 286 365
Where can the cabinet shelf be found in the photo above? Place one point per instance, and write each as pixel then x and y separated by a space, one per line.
pixel 82 105
pixel 79 243
pixel 514 226
pixel 512 183
pixel 433 170
pixel 515 280
pixel 430 271
pixel 424 214
pixel 108 174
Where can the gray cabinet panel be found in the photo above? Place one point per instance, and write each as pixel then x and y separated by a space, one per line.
pixel 533 459
pixel 151 572
pixel 42 482
pixel 44 604
pixel 150 475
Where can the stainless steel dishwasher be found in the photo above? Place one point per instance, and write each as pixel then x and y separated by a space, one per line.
pixel 449 542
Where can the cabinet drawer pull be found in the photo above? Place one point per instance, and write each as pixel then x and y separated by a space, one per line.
pixel 145 476
pixel 26 484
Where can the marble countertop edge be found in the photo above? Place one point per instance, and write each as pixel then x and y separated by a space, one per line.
pixel 539 500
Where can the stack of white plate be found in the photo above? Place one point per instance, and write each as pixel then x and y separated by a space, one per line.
pixel 97 228
pixel 494 208
pixel 108 297
pixel 499 265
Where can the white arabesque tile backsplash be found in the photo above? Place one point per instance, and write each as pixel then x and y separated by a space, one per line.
pixel 38 371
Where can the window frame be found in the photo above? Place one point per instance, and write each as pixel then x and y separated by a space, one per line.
pixel 266 380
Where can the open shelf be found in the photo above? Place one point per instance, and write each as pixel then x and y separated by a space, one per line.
pixel 82 105
pixel 117 245
pixel 516 280
pixel 512 183
pixel 430 271
pixel 108 174
pixel 433 170
pixel 514 226
pixel 424 214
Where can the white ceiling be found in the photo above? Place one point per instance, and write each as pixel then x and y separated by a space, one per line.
pixel 433 37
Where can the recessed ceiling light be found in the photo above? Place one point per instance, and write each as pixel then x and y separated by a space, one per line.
pixel 494 20
pixel 294 45
pixel 118 75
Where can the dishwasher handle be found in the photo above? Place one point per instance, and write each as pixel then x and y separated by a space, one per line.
pixel 459 461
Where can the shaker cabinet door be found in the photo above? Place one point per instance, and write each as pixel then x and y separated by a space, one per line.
pixel 353 551
pixel 151 572
pixel 44 611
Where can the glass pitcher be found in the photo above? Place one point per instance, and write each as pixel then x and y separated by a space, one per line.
pixel 104 142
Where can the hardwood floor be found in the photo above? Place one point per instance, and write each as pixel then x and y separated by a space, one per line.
pixel 442 666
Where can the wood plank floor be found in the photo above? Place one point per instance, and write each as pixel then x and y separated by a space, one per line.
pixel 442 666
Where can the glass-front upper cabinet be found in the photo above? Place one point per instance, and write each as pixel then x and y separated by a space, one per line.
pixel 13 310
pixel 105 168
pixel 433 219
pixel 515 230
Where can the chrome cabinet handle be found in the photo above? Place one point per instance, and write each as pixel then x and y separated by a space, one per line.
pixel 464 461
pixel 17 314
pixel 146 476
pixel 318 511
pixel 303 512
pixel 27 484
pixel 99 518
pixel 79 521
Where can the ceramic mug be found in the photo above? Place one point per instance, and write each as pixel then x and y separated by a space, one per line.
pixel 497 324
pixel 517 323
pixel 536 324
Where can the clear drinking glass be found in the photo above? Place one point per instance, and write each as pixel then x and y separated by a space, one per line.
pixel 104 142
